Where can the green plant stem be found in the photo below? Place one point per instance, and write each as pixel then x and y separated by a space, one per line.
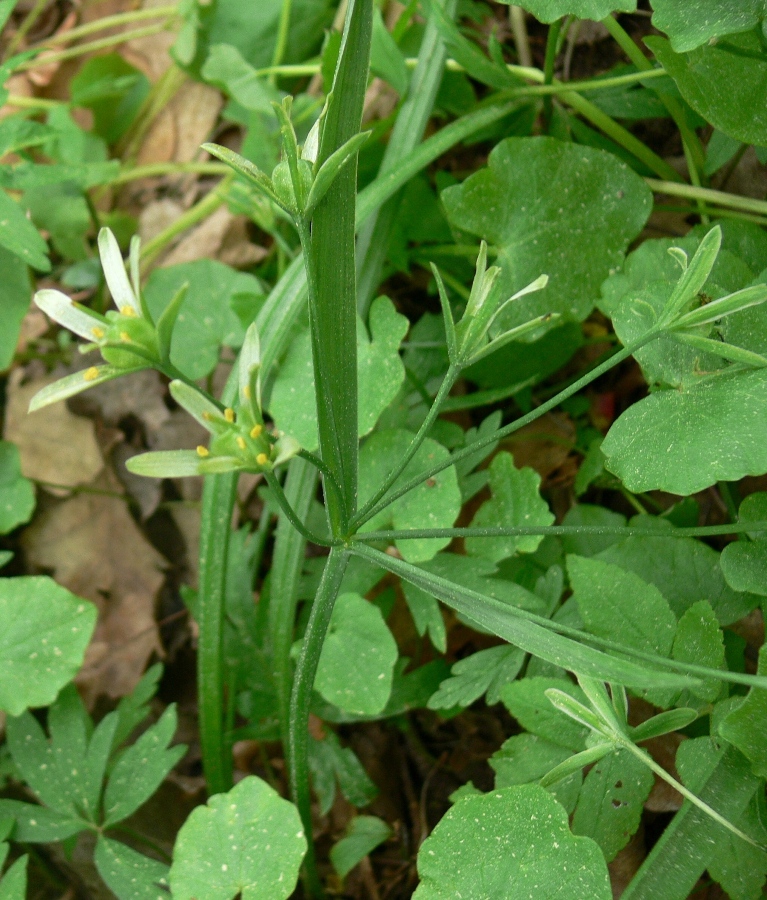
pixel 159 96
pixel 45 59
pixel 290 513
pixel 287 566
pixel 645 758
pixel 283 30
pixel 125 18
pixel 485 398
pixel 704 531
pixel 621 136
pixel 471 448
pixel 552 45
pixel 444 389
pixel 374 237
pixel 26 26
pixel 306 670
pixel 217 503
pixel 715 198
pixel 154 170
pixel 693 150
pixel 209 204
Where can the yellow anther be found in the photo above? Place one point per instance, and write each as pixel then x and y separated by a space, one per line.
pixel 128 311
pixel 262 459
pixel 203 451
pixel 91 374
pixel 246 392
pixel 98 333
pixel 241 443
pixel 229 415
pixel 125 337
pixel 207 416
pixel 256 430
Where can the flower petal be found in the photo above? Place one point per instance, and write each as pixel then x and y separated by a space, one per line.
pixel 74 384
pixel 115 274
pixel 217 465
pixel 196 404
pixel 165 464
pixel 287 447
pixel 76 318
pixel 250 359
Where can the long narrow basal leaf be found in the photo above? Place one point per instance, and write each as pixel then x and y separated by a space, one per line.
pixel 508 622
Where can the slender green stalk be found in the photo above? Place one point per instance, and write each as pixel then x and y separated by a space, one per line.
pixel 159 96
pixel 478 444
pixel 45 59
pixel 715 198
pixel 552 46
pixel 290 513
pixel 374 237
pixel 283 30
pixel 306 670
pixel 287 565
pixel 209 204
pixel 704 531
pixel 26 26
pixel 115 21
pixel 217 503
pixel 153 170
pixel 444 389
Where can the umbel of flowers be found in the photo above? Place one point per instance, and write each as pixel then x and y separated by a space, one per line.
pixel 129 339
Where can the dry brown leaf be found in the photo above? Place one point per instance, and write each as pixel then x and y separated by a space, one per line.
pixel 185 123
pixel 93 547
pixel 156 217
pixel 56 447
pixel 151 53
pixel 33 326
pixel 221 231
pixel 544 444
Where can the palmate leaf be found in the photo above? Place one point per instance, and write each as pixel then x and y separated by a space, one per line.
pixel 550 10
pixel 363 834
pixel 17 494
pixel 744 563
pixel 556 642
pixel 695 22
pixel 745 726
pixel 128 874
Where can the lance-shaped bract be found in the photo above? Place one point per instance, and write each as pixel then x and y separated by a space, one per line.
pixel 127 337
pixel 469 340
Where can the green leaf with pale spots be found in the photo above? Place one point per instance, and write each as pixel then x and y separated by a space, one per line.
pixel 744 563
pixel 17 494
pixel 510 844
pixel 550 10
pixel 746 726
pixel 42 642
pixel 248 842
pixel 128 874
pixel 699 640
pixel 684 441
pixel 19 235
pixel 357 661
pixel 694 22
pixel 485 671
pixel 720 81
pixel 553 208
pixel 15 294
pixel 206 320
pixel 619 605
pixel 526 700
pixel 611 801
pixel 515 502
pixel 435 503
pixel 380 374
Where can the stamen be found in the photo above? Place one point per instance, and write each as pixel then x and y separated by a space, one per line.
pixel 246 392
pixel 256 430
pixel 241 443
pixel 98 333
pixel 262 459
pixel 203 451
pixel 128 311
pixel 125 337
pixel 91 374
pixel 229 415
pixel 207 416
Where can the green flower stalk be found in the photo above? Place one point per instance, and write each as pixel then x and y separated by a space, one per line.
pixel 128 338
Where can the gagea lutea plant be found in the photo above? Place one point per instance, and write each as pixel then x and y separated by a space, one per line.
pixel 390 499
